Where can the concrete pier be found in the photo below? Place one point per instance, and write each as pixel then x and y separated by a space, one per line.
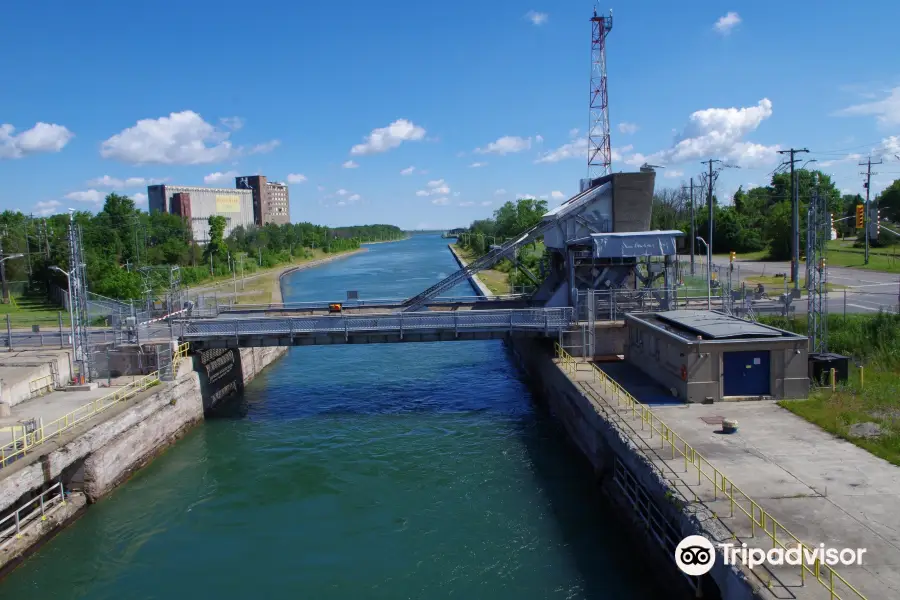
pixel 777 481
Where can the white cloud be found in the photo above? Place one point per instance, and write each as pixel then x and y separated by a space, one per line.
pixel 467 204
pixel 537 18
pixel 182 138
pixel 321 188
pixel 86 196
pixel 673 173
pixel 577 148
pixel 889 146
pixel 342 192
pixel 475 165
pixel 139 198
pixel 341 203
pixel 441 201
pixel 296 178
pixel 718 133
pixel 626 127
pixel 506 145
pixel 350 165
pixel 386 138
pixel 43 137
pixel 573 132
pixel 854 157
pixel 354 198
pixel 538 139
pixel 436 187
pixel 499 192
pixel 121 184
pixel 408 171
pixel 886 111
pixel 486 203
pixel 233 123
pixel 725 24
pixel 556 195
pixel 265 148
pixel 48 208
pixel 219 178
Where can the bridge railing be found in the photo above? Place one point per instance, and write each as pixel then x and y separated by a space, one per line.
pixel 536 319
pixel 208 306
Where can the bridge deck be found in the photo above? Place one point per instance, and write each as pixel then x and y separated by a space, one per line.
pixel 383 327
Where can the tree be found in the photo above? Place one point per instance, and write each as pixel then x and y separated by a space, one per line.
pixel 216 245
pixel 889 202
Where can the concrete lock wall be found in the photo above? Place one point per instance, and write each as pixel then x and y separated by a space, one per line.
pixel 661 357
pixel 104 452
pixel 610 339
pixel 603 442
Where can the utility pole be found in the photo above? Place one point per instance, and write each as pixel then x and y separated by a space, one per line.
pixel 5 294
pixel 709 203
pixel 868 164
pixel 693 233
pixel 795 220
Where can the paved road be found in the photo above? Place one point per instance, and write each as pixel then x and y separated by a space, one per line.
pixel 866 291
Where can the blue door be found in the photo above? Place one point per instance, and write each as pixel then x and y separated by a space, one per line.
pixel 746 373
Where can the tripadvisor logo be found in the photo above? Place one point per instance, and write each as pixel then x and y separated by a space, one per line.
pixel 695 555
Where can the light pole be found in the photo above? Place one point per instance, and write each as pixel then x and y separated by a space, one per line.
pixel 71 317
pixel 708 274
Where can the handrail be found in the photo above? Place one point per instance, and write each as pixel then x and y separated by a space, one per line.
pixel 9 531
pixel 759 518
pixel 26 442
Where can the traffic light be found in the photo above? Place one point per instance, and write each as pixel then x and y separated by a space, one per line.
pixel 860 216
pixel 731 256
pixel 877 223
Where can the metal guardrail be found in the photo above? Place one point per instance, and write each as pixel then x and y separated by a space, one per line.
pixel 760 519
pixel 203 309
pixel 540 319
pixel 35 509
pixel 28 440
pixel 40 385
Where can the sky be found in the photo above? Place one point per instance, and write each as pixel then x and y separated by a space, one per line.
pixel 427 115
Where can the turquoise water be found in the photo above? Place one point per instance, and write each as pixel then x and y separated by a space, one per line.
pixel 347 472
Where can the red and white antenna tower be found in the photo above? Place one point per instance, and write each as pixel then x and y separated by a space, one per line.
pixel 599 150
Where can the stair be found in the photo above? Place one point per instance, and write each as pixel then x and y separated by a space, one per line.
pixel 484 262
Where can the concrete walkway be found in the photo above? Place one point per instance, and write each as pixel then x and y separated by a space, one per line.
pixel 822 489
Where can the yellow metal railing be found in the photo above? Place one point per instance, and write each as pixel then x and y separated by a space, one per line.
pixel 627 405
pixel 41 385
pixel 21 444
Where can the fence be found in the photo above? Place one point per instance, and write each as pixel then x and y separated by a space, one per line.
pixel 629 409
pixel 38 433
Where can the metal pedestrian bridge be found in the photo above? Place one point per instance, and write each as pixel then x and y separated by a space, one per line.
pixel 373 328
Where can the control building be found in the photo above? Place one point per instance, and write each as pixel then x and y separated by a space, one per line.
pixel 198 204
pixel 271 201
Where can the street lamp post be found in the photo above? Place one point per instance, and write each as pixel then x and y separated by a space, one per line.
pixel 71 318
pixel 708 274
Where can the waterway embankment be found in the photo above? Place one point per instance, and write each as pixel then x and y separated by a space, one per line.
pixel 628 476
pixel 477 285
pixel 94 458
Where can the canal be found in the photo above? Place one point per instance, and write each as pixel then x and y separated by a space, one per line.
pixel 345 472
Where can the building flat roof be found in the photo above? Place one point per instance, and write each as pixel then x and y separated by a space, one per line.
pixel 716 326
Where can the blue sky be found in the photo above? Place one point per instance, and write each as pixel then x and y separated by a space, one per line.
pixel 111 97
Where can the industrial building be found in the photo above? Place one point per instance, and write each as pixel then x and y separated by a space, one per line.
pixel 708 356
pixel 198 204
pixel 271 201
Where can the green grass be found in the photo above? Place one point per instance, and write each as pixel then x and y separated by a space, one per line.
pixel 874 342
pixel 494 280
pixel 759 255
pixel 28 310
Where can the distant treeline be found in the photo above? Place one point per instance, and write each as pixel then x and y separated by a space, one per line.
pixel 120 239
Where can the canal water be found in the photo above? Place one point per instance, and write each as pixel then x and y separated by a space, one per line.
pixel 348 472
